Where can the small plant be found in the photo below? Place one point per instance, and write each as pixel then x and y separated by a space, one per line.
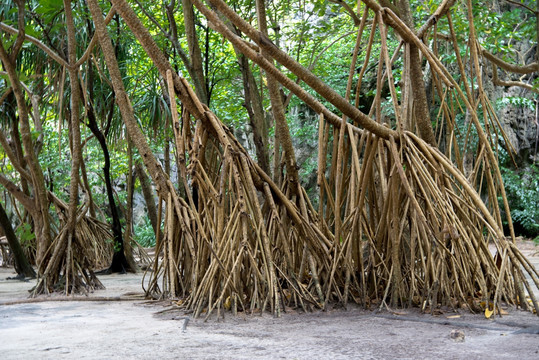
pixel 523 195
pixel 516 101
pixel 25 235
pixel 521 185
pixel 144 234
pixel 27 238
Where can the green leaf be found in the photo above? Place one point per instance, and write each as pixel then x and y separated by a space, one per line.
pixel 49 6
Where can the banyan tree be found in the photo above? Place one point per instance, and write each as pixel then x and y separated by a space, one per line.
pixel 402 217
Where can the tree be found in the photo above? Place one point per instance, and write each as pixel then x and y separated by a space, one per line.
pixel 29 168
pixel 390 247
pixel 400 221
pixel 22 266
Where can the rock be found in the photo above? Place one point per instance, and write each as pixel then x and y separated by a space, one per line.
pixel 457 335
pixel 518 123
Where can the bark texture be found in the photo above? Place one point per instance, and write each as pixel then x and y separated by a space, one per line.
pixel 420 104
pixel 277 109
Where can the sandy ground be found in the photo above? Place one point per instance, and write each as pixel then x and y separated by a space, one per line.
pixel 137 330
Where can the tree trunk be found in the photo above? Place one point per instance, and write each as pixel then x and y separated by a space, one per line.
pixel 122 100
pixel 119 259
pixel 420 104
pixel 22 266
pixel 76 156
pixel 194 51
pixel 281 126
pixel 147 191
pixel 39 212
pixel 255 110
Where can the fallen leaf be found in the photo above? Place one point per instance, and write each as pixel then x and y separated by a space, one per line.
pixel 453 317
pixel 488 313
pixel 227 303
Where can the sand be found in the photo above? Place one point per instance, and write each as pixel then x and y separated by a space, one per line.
pixel 137 329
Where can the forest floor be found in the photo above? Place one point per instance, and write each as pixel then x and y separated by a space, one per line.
pixel 136 329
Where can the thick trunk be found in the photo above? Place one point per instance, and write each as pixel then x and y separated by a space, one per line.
pixel 22 266
pixel 420 105
pixel 66 241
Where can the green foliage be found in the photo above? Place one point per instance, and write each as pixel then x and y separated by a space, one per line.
pixel 144 234
pixel 515 101
pixel 25 235
pixel 521 185
pixel 522 188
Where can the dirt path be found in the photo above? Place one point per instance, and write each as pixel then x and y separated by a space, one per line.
pixel 134 330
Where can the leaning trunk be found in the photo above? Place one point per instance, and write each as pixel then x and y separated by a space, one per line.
pixel 39 211
pixel 22 266
pixel 119 259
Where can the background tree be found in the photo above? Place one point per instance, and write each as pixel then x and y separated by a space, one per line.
pixel 22 266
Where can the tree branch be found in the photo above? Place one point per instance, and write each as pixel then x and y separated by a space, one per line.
pixel 523 5
pixel 433 19
pixel 20 36
pixel 33 40
pixel 499 82
pixel 524 69
pixel 348 9
pixel 297 69
pixel 12 157
pixel 14 190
